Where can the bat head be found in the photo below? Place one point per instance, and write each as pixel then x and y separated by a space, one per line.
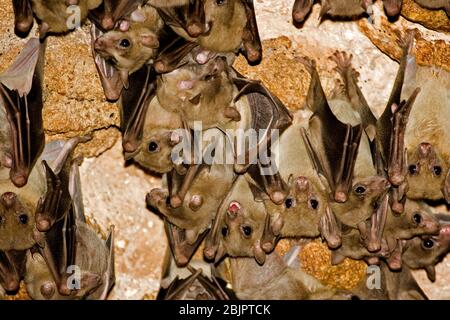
pixel 427 174
pixel 156 149
pixel 221 12
pixel 364 193
pixel 302 209
pixel 16 222
pixel 426 251
pixel 129 50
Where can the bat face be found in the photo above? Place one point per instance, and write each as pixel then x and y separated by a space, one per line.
pixel 198 92
pixel 55 14
pixel 426 173
pixel 16 222
pixel 159 138
pixel 302 209
pixel 133 43
pixel 427 251
pixel 364 193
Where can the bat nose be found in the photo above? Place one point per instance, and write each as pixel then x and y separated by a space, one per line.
pixel 8 199
pixel 99 44
pixel 302 184
pixel 425 149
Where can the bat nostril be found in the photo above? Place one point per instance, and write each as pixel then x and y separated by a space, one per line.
pixel 8 199
pixel 425 149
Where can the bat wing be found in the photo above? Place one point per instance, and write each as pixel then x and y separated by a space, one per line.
pixel 334 145
pixel 12 266
pixel 251 40
pixel 23 17
pixel 110 12
pixel 133 108
pixel 174 49
pixel 109 278
pixel 181 250
pixel 21 93
pixel 190 17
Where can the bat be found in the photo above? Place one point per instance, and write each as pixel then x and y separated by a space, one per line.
pixel 199 201
pixel 199 93
pixel 161 132
pixel 50 273
pixel 277 280
pixel 306 204
pixel 341 152
pixel 425 252
pixel 22 132
pixel 218 26
pixel 133 43
pixel 54 16
pixel 333 8
pixel 110 12
pixel 195 287
pixel 238 226
pixel 12 267
pixel 435 4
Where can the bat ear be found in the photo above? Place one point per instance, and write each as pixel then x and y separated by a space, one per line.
pixel 431 272
pixel 446 188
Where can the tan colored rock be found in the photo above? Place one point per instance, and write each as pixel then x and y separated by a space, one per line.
pixel 432 19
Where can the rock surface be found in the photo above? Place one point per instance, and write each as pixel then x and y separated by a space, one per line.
pixel 114 192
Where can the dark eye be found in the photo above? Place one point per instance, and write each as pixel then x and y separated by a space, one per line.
pixel 23 218
pixel 413 169
pixel 288 203
pixel 124 43
pixel 221 2
pixel 314 203
pixel 437 170
pixel 428 243
pixel 360 190
pixel 247 231
pixel 153 146
pixel 417 218
pixel 2 219
pixel 224 231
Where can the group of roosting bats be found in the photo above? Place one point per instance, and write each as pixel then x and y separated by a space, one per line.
pixel 339 173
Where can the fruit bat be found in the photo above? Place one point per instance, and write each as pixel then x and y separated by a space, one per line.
pixel 133 43
pixel 425 252
pixel 333 8
pixel 110 12
pixel 426 133
pixel 54 16
pixel 189 220
pixel 161 132
pixel 435 4
pixel 70 261
pixel 22 132
pixel 277 280
pixel 341 151
pixel 40 203
pixel 239 224
pixel 195 287
pixel 218 26
pixel 12 267
pixel 305 209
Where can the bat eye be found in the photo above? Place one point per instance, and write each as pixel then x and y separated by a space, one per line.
pixel 437 170
pixel 23 218
pixel 314 203
pixel 124 43
pixel 413 170
pixel 225 231
pixel 221 2
pixel 153 146
pixel 428 243
pixel 247 230
pixel 417 218
pixel 360 190
pixel 288 203
pixel 48 290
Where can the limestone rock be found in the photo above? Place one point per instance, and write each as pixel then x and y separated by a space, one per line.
pixel 432 19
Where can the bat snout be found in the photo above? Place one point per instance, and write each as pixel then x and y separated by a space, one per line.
pixel 8 199
pixel 425 149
